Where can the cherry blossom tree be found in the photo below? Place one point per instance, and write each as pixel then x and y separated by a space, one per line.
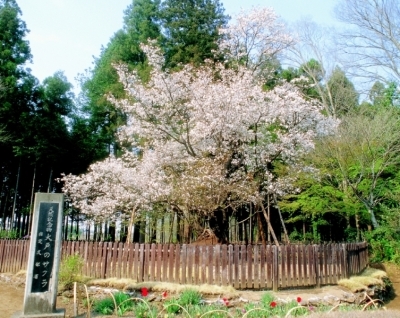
pixel 200 140
pixel 255 39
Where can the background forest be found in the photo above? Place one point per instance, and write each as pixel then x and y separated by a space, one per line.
pixel 191 120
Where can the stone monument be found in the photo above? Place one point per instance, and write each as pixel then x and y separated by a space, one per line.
pixel 44 258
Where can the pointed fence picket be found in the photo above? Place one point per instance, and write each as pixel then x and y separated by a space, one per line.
pixel 241 266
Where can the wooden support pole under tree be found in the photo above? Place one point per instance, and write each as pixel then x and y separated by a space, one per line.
pixel 280 216
pixel 271 230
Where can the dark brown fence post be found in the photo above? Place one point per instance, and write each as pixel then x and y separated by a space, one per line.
pixel 317 266
pixel 275 267
pixel 141 263
pixel 345 261
pixel 230 265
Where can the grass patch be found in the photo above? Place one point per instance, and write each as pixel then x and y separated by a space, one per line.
pixel 368 278
pixel 131 285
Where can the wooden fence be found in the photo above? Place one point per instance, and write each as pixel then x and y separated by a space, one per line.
pixel 242 266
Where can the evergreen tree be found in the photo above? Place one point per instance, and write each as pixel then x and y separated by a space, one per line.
pixel 14 53
pixel 14 49
pixel 190 33
pixel 15 103
pixel 140 24
pixel 376 93
pixel 191 30
pixel 341 93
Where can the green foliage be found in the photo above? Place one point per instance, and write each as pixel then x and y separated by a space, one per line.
pixel 311 71
pixel 124 303
pixel 189 297
pixel 341 93
pixel 140 24
pixel 350 234
pixel 296 236
pixel 107 305
pixel 57 94
pixel 384 96
pixel 9 234
pixel 104 306
pixel 186 31
pixel 210 311
pixel 266 299
pixel 70 269
pixel 269 307
pixel 143 309
pixel 191 30
pixel 384 244
pixel 172 306
pixel 14 49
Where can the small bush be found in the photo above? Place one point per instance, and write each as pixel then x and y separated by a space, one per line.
pixel 70 269
pixel 143 309
pixel 384 243
pixel 124 303
pixel 172 306
pixel 104 306
pixel 9 234
pixel 266 300
pixel 189 297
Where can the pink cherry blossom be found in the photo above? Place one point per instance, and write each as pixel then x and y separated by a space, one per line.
pixel 202 138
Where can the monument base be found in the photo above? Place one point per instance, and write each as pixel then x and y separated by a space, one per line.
pixel 60 313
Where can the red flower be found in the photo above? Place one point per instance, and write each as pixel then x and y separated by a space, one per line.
pixel 145 291
pixel 273 304
pixel 164 294
pixel 299 299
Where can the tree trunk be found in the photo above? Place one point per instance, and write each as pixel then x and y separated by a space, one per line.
pixel 371 212
pixel 129 238
pixel 31 201
pixel 66 227
pixel 357 227
pixel 1 201
pixel 77 228
pixel 268 216
pixel 15 195
pixel 50 180
pixel 111 232
pixel 4 211
pixel 261 229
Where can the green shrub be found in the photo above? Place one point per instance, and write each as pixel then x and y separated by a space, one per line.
pixel 124 302
pixel 143 309
pixel 9 234
pixel 70 269
pixel 104 306
pixel 384 244
pixel 189 297
pixel 172 306
pixel 266 300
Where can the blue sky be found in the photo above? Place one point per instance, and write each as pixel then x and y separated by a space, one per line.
pixel 66 34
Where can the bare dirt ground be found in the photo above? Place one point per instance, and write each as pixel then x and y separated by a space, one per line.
pixel 12 294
